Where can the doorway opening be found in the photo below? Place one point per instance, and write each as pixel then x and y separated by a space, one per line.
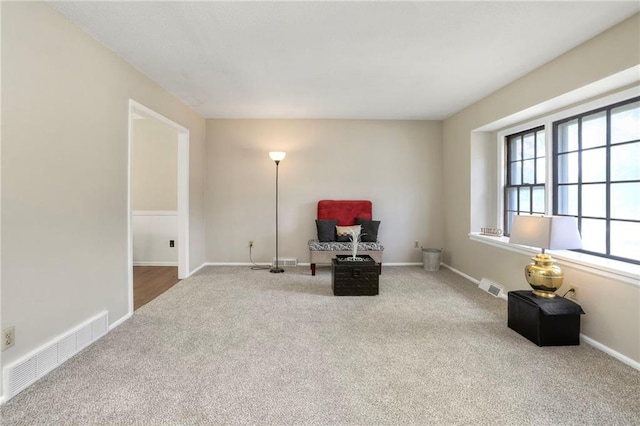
pixel 150 282
pixel 158 204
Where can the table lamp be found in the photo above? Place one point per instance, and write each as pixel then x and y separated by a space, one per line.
pixel 545 232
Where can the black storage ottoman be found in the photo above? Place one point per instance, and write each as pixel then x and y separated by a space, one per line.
pixel 546 322
pixel 354 278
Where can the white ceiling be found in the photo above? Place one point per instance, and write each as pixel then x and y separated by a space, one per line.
pixel 382 60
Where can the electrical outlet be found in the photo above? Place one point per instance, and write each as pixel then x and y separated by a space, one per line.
pixel 172 243
pixel 250 244
pixel 416 244
pixel 574 294
pixel 8 337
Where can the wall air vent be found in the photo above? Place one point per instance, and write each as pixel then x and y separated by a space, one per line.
pixel 26 370
pixel 492 288
pixel 285 262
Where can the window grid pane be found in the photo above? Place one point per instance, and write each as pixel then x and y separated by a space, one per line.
pixel 516 173
pixel 597 178
pixel 537 200
pixel 528 172
pixel 594 165
pixel 625 201
pixel 567 136
pixel 568 166
pixel 624 241
pixel 626 157
pixel 594 130
pixel 524 188
pixel 528 146
pixel 567 196
pixel 594 200
pixel 624 123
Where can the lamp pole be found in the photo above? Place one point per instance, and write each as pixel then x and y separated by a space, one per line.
pixel 277 157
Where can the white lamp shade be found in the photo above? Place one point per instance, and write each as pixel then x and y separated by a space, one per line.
pixel 277 155
pixel 547 232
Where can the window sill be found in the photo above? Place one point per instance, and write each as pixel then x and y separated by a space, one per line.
pixel 622 271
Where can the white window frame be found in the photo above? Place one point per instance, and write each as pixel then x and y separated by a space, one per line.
pixel 502 161
pixel 623 271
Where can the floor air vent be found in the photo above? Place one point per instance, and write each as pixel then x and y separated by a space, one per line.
pixel 22 373
pixel 492 288
pixel 285 262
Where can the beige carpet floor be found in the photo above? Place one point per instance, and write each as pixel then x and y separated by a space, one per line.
pixel 234 346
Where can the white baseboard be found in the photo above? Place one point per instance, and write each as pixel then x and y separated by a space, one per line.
pixel 154 213
pixel 462 274
pixel 588 340
pixel 299 264
pixel 120 321
pixel 196 270
pixel 26 370
pixel 144 263
pixel 617 355
pixel 237 264
pixel 383 264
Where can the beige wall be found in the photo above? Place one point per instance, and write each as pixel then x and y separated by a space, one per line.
pixel 64 174
pixel 395 164
pixel 612 306
pixel 154 166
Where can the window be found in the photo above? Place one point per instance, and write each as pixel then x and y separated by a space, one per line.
pixel 588 168
pixel 524 191
pixel 597 178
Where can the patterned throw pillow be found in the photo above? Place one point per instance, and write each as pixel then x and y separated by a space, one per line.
pixel 326 229
pixel 369 229
pixel 343 233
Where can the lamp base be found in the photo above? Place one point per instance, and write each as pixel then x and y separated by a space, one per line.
pixel 545 294
pixel 543 276
pixel 276 270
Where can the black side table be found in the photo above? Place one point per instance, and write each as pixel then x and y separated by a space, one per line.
pixel 546 322
pixel 352 278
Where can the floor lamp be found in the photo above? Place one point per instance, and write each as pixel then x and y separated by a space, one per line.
pixel 277 156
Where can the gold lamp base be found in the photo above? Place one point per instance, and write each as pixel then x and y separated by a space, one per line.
pixel 543 276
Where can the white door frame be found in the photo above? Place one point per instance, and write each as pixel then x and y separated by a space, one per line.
pixel 183 192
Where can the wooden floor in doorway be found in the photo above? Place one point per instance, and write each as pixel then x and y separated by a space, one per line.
pixel 150 282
